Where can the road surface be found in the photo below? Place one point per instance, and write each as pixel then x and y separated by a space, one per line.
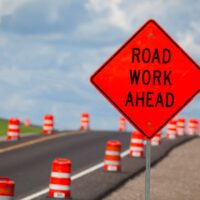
pixel 28 162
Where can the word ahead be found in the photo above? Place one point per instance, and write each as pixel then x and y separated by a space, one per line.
pixel 149 79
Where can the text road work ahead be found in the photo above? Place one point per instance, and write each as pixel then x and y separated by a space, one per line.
pixel 156 77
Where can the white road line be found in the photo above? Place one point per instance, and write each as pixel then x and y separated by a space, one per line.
pixel 74 177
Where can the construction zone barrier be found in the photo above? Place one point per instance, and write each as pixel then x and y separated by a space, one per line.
pixel 171 130
pixel 85 121
pixel 7 188
pixel 122 124
pixel 48 124
pixel 136 144
pixel 180 126
pixel 112 161
pixel 60 180
pixel 26 122
pixel 193 127
pixel 13 129
pixel 156 140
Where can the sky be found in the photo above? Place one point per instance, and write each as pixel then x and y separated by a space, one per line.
pixel 50 48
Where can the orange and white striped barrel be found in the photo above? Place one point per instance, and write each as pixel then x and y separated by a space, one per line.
pixel 85 121
pixel 122 124
pixel 137 144
pixel 26 122
pixel 7 188
pixel 112 158
pixel 180 125
pixel 193 126
pixel 48 124
pixel 60 180
pixel 172 130
pixel 156 140
pixel 13 129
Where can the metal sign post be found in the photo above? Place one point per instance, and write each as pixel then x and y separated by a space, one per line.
pixel 148 168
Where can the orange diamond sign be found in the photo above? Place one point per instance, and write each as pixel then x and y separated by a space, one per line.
pixel 149 79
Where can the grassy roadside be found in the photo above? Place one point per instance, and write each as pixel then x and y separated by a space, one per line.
pixel 23 130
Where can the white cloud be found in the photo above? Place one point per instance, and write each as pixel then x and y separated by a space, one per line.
pixel 112 10
pixel 3 40
pixel 54 9
pixel 8 7
pixel 189 39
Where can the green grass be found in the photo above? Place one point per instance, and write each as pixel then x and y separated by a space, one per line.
pixel 23 130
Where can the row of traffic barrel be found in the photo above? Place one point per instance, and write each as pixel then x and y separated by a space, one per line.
pixel 48 126
pixel 13 132
pixel 60 181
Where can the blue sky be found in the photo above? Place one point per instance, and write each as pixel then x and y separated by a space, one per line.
pixel 49 49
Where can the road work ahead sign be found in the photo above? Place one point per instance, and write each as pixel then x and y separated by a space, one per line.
pixel 149 79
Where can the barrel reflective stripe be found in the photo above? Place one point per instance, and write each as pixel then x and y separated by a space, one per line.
pixel 112 167
pixel 136 148
pixel 171 131
pixel 172 126
pixel 110 162
pixel 85 118
pixel 136 153
pixel 138 141
pixel 13 133
pixel 60 175
pixel 180 124
pixel 171 136
pixel 59 187
pixel 192 130
pixel 180 131
pixel 48 128
pixel 112 153
pixel 154 142
pixel 13 126
pixel 157 139
pixel 48 121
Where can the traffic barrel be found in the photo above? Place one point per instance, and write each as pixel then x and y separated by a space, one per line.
pixel 7 188
pixel 60 180
pixel 13 129
pixel 48 124
pixel 85 121
pixel 137 144
pixel 112 160
pixel 180 126
pixel 156 140
pixel 26 122
pixel 193 126
pixel 122 124
pixel 172 130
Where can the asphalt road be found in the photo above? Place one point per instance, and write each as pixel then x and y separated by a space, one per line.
pixel 29 166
